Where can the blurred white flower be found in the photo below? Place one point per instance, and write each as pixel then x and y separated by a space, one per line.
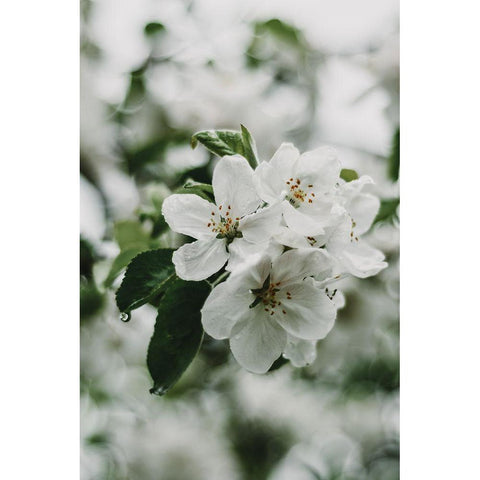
pixel 329 455
pixel 216 226
pixel 257 306
pixel 92 212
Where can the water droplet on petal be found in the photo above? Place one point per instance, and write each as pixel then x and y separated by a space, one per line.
pixel 125 317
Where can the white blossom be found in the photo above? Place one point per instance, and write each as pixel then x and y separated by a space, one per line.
pixel 260 305
pixel 217 227
pixel 301 184
pixel 351 216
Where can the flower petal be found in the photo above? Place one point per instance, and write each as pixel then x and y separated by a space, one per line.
pixel 262 225
pixel 286 236
pixel 284 159
pixel 224 307
pixel 320 167
pixel 189 214
pixel 361 260
pixel 233 186
pixel 300 222
pixel 257 342
pixel 253 272
pixel 269 185
pixel 241 253
pixel 295 265
pixel 310 314
pixel 363 209
pixel 201 259
pixel 300 352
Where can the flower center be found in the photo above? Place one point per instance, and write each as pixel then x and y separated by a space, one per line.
pixel 227 227
pixel 297 194
pixel 266 296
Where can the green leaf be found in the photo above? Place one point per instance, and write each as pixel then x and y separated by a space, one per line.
pixel 394 158
pixel 130 234
pixel 283 35
pixel 388 210
pixel 250 147
pixel 203 190
pixel 278 363
pixel 178 333
pixel 348 175
pixel 228 142
pixel 120 262
pixel 220 142
pixel 283 31
pixel 88 257
pixel 153 28
pixel 147 275
pixel 91 299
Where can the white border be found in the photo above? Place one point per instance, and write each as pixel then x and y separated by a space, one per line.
pixel 440 238
pixel 39 346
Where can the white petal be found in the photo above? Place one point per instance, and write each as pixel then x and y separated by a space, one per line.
pixel 295 265
pixel 269 185
pixel 310 314
pixel 363 209
pixel 320 167
pixel 225 306
pixel 233 186
pixel 241 252
pixel 286 236
pixel 201 259
pixel 252 273
pixel 361 260
pixel 341 235
pixel 189 214
pixel 339 299
pixel 300 222
pixel 300 352
pixel 350 189
pixel 284 160
pixel 257 342
pixel 262 225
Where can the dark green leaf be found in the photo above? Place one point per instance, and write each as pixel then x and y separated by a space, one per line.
pixel 159 226
pixel 250 147
pixel 348 175
pixel 394 158
pixel 278 363
pixel 220 142
pixel 388 210
pixel 178 333
pixel 146 276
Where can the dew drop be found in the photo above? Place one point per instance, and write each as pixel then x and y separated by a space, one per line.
pixel 125 317
pixel 159 390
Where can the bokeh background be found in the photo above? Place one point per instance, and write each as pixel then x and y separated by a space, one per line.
pixel 309 72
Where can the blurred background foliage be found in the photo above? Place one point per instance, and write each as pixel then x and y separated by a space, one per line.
pixel 152 74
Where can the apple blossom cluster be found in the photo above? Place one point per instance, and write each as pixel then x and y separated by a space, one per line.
pixel 284 233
